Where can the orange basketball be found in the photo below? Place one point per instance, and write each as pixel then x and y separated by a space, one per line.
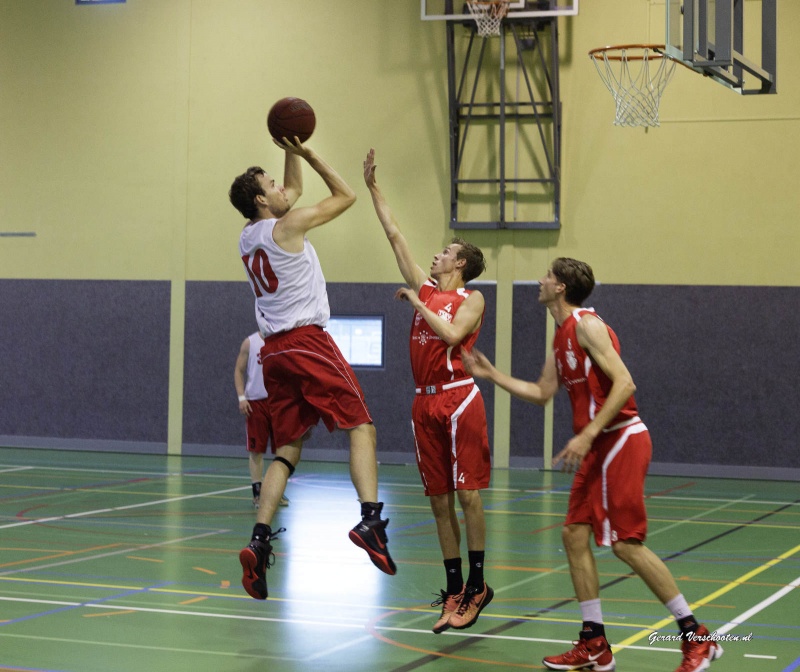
pixel 291 117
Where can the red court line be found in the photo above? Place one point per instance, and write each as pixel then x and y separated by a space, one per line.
pixel 677 487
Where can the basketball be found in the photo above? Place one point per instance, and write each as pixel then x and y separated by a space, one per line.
pixel 291 117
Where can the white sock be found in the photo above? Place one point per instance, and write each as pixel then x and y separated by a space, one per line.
pixel 678 607
pixel 591 611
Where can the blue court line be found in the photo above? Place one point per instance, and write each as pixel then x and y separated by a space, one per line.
pixel 71 607
pixel 792 666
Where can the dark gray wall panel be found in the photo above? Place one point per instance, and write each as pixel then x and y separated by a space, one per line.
pixel 85 359
pixel 218 317
pixel 529 324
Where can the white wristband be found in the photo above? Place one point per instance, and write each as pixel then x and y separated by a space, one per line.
pixel 242 397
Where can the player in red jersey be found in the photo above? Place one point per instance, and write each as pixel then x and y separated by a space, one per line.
pixel 611 452
pixel 305 374
pixel 448 415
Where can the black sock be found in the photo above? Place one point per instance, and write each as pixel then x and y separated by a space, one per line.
pixel 261 532
pixel 590 630
pixel 371 510
pixel 256 489
pixel 455 579
pixel 687 624
pixel 475 579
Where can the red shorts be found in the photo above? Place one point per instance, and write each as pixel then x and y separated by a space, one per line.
pixel 308 379
pixel 259 427
pixel 451 440
pixel 608 489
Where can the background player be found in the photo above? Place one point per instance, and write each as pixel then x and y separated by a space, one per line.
pixel 611 452
pixel 248 378
pixel 305 374
pixel 448 415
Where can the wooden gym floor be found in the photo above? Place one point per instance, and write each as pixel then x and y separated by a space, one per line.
pixel 129 562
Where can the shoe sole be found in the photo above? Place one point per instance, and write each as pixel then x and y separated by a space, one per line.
pixel 381 561
pixel 593 667
pixel 249 563
pixel 486 600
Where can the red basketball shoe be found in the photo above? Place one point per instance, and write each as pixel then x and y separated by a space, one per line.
pixel 699 650
pixel 591 654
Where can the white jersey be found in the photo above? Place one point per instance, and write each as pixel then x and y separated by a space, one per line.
pixel 289 287
pixel 254 384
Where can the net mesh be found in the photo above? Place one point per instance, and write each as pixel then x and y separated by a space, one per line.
pixel 488 15
pixel 636 76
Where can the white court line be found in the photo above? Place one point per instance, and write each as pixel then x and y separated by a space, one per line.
pixel 311 479
pixel 128 549
pixel 130 472
pixel 326 624
pixel 739 620
pixel 82 514
pixel 336 649
pixel 28 600
pixel 754 655
pixel 166 649
pixel 10 469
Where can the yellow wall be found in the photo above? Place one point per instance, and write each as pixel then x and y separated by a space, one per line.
pixel 122 126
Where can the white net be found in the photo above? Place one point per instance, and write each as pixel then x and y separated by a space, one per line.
pixel 636 75
pixel 488 15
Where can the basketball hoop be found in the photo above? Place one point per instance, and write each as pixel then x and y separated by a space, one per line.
pixel 488 14
pixel 636 75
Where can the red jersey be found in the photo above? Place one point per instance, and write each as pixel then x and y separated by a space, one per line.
pixel 432 360
pixel 588 386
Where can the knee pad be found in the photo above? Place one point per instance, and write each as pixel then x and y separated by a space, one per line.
pixel 286 463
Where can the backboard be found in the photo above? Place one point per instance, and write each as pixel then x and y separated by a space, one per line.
pixel 717 39
pixel 454 10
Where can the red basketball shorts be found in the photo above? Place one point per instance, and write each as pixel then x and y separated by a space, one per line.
pixel 608 489
pixel 259 427
pixel 451 440
pixel 308 379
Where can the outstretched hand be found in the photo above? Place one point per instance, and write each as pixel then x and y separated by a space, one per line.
pixel 406 294
pixel 573 453
pixel 369 168
pixel 476 363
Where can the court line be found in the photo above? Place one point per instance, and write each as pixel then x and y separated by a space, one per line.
pixel 308 480
pixel 108 555
pixel 739 620
pixel 295 621
pixel 168 649
pixel 127 507
pixel 10 469
pixel 606 551
pixel 717 593
pixel 792 666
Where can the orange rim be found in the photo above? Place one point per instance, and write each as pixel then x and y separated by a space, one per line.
pixel 657 49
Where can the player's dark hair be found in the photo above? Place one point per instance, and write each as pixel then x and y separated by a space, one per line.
pixel 578 278
pixel 244 190
pixel 472 254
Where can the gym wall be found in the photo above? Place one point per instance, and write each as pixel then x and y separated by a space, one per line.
pixel 123 125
